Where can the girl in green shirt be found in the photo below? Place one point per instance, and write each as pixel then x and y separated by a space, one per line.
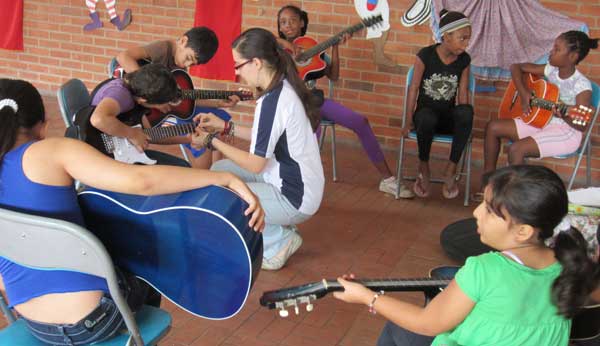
pixel 524 294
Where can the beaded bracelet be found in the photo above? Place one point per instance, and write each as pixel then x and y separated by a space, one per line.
pixel 372 304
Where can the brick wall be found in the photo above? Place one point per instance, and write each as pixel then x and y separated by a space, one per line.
pixel 57 49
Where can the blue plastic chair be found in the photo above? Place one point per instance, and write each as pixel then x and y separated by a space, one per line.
pixel 329 124
pixel 46 243
pixel 445 139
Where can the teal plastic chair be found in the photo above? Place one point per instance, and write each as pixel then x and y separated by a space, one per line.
pixel 465 163
pixel 45 243
pixel 72 97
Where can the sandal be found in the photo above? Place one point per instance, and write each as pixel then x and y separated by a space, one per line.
pixel 477 197
pixel 418 187
pixel 451 194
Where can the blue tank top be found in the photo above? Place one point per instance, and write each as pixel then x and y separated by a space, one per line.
pixel 19 193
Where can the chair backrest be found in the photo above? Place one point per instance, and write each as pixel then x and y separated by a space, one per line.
pixel 72 96
pixel 409 76
pixel 44 243
pixel 596 105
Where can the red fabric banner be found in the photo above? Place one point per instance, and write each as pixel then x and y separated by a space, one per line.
pixel 224 17
pixel 11 24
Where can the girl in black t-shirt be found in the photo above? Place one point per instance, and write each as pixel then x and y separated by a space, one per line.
pixel 441 76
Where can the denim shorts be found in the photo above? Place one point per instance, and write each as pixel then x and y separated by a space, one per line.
pixel 98 325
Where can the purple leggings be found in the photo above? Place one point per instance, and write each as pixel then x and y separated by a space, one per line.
pixel 349 119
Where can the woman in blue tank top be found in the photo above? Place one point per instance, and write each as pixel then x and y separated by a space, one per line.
pixel 36 176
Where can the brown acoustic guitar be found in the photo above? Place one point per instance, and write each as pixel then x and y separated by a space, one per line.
pixel 544 98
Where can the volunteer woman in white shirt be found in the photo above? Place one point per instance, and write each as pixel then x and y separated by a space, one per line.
pixel 283 166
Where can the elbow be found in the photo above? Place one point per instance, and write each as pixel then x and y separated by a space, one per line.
pixel 96 121
pixel 121 57
pixel 143 183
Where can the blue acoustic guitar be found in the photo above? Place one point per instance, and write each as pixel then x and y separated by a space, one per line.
pixel 195 247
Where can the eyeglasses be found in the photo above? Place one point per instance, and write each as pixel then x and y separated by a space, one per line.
pixel 238 66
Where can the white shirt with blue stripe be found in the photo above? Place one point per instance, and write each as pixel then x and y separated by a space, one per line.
pixel 282 134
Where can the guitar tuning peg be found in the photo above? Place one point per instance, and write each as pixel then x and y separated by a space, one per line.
pixel 309 307
pixel 283 313
pixel 296 310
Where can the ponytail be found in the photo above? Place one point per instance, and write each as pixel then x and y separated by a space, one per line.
pixel 21 107
pixel 580 275
pixel 310 101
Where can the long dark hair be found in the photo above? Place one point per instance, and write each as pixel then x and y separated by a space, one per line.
pixel 579 42
pixel 29 112
pixel 302 14
pixel 261 44
pixel 536 196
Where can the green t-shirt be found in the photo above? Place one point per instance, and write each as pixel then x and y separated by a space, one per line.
pixel 512 305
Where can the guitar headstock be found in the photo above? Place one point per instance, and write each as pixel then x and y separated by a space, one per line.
pixel 370 21
pixel 294 297
pixel 244 95
pixel 580 114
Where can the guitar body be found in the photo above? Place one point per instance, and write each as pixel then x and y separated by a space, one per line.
pixel 314 67
pixel 510 107
pixel 184 110
pixel 194 247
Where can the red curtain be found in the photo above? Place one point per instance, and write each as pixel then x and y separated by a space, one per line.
pixel 11 24
pixel 225 18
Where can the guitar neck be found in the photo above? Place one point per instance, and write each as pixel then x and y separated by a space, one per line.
pixel 202 94
pixel 160 132
pixel 309 53
pixel 545 104
pixel 394 285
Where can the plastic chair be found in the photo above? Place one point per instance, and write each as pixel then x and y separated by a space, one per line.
pixel 446 139
pixel 329 124
pixel 586 143
pixel 72 97
pixel 49 244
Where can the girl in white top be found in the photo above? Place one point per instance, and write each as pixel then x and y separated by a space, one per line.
pixel 283 166
pixel 560 136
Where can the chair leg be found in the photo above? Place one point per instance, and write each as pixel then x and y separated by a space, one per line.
pixel 588 164
pixel 333 151
pixel 468 154
pixel 399 175
pixel 322 138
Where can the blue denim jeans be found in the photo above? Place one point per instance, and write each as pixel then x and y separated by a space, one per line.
pixel 98 325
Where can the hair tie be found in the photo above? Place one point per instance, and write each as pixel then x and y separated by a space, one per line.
pixel 9 102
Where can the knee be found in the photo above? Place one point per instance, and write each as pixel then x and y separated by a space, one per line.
pixel 492 129
pixel 515 152
pixel 425 120
pixel 463 115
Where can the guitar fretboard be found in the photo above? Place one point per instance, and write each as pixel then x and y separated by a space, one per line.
pixel 394 285
pixel 309 53
pixel 545 104
pixel 203 94
pixel 161 132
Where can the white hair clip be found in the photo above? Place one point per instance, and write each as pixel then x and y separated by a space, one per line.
pixel 11 103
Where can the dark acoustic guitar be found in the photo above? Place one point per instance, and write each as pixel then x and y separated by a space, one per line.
pixel 292 297
pixel 194 247
pixel 185 108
